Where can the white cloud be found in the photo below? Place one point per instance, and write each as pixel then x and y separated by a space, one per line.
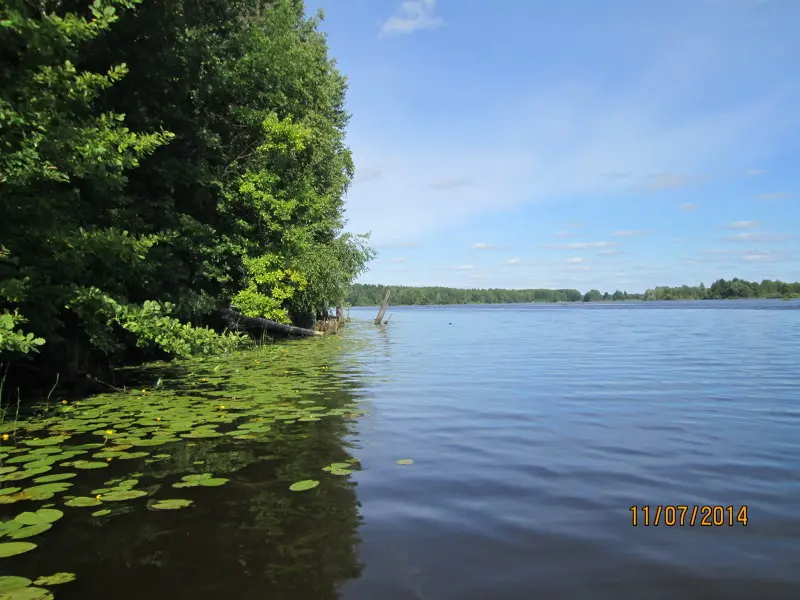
pixel 580 245
pixel 756 236
pixel 773 196
pixel 485 246
pixel 628 233
pixel 768 257
pixel 742 225
pixel 563 234
pixel 688 206
pixel 399 259
pixel 412 15
pixel 466 267
pixel 575 259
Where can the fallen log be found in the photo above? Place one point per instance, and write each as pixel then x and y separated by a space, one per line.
pixel 238 322
pixel 384 307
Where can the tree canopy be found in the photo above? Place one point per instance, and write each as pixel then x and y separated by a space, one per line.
pixel 161 160
pixel 371 295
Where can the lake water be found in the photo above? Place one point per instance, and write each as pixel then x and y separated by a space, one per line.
pixel 533 429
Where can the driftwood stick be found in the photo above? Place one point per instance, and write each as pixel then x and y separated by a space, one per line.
pixel 238 321
pixel 384 307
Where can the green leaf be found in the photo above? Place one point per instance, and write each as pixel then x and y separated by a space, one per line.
pixel 89 464
pixel 14 548
pixel 9 583
pixel 40 517
pixel 29 531
pixel 171 504
pixel 55 579
pixel 83 501
pixel 306 484
pixel 405 461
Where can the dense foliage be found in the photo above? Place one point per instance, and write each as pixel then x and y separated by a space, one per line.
pixel 161 160
pixel 371 295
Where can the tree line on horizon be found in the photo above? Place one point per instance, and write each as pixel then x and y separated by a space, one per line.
pixel 162 160
pixel 362 294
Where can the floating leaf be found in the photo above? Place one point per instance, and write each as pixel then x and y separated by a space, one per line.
pixel 40 517
pixel 120 495
pixel 101 513
pixel 11 490
pixel 55 477
pixel 9 583
pixel 28 593
pixel 306 484
pixel 26 473
pixel 55 579
pixel 132 455
pixel 4 470
pixel 14 548
pixel 171 504
pixel 341 472
pixel 213 482
pixel 83 501
pixel 89 464
pixel 29 531
pixel 51 441
pixel 47 491
pixel 405 461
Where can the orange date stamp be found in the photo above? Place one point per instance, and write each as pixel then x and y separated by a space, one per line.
pixel 688 515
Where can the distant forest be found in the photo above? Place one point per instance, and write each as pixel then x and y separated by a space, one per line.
pixel 371 295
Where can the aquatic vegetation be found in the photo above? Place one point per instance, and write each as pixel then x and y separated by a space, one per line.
pixel 405 461
pixel 302 486
pixel 182 434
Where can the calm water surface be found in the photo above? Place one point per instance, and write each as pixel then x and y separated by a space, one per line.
pixel 533 430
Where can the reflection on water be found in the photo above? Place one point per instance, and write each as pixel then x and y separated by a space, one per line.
pixel 262 420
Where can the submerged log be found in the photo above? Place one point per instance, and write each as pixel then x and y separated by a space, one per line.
pixel 239 322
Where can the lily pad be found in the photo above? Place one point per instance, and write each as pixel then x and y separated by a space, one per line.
pixel 28 593
pixel 13 548
pixel 10 490
pixel 26 473
pixel 46 491
pixel 89 464
pixel 306 484
pixel 101 513
pixel 9 583
pixel 83 501
pixel 29 531
pixel 5 470
pixel 51 441
pixel 55 477
pixel 55 579
pixel 40 517
pixel 171 504
pixel 120 495
pixel 405 461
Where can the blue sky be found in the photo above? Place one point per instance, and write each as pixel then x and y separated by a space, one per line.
pixel 615 144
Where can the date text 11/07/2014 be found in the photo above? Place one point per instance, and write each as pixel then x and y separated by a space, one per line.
pixel 688 515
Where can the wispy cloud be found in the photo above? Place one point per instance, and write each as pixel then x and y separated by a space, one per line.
pixel 485 246
pixel 754 172
pixel 563 234
pixel 580 245
pixel 688 206
pixel 575 260
pixel 465 267
pixel 399 259
pixel 756 236
pixel 578 268
pixel 412 15
pixel 609 252
pixel 765 257
pixel 666 181
pixel 773 196
pixel 742 225
pixel 453 183
pixel 366 174
pixel 629 233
